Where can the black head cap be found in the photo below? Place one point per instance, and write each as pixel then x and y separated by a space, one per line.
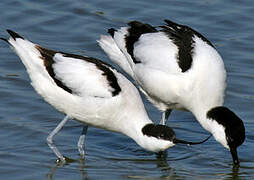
pixel 166 133
pixel 234 128
pixel 159 131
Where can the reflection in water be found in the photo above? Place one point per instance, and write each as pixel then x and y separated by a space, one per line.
pixel 166 170
pixel 235 173
pixel 82 168
pixel 52 172
pixel 58 164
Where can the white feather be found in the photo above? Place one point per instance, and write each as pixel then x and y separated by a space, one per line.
pixel 156 51
pixel 75 72
pixel 109 46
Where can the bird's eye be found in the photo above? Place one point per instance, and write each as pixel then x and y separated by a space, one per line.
pixel 162 135
pixel 229 139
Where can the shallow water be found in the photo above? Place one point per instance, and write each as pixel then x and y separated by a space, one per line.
pixel 74 26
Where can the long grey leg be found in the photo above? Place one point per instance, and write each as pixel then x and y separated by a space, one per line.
pixel 165 116
pixel 81 141
pixel 51 136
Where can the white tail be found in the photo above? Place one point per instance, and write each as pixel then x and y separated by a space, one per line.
pixel 108 44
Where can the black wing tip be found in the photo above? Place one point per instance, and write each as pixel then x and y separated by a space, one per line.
pixel 169 21
pixel 112 31
pixel 4 40
pixel 173 24
pixel 14 35
pixel 132 23
pixel 139 25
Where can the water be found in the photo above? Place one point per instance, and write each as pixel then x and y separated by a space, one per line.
pixel 74 26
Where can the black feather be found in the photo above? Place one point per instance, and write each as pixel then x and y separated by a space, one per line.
pixel 6 40
pixel 14 35
pixel 182 37
pixel 47 56
pixel 112 31
pixel 135 31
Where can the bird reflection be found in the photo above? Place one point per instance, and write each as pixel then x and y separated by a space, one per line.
pixel 235 172
pixel 161 162
pixel 59 164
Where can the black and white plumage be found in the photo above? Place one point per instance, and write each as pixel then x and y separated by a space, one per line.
pixel 177 68
pixel 91 92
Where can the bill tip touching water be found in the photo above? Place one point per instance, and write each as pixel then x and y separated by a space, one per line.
pixel 91 92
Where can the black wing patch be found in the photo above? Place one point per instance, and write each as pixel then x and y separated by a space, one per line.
pixel 48 55
pixel 194 32
pixel 135 31
pixel 182 36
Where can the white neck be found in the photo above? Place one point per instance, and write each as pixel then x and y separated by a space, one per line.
pixel 217 130
pixel 201 116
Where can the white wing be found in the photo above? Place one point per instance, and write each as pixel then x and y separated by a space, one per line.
pixel 85 76
pixel 157 51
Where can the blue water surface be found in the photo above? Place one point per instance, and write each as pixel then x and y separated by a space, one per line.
pixel 74 26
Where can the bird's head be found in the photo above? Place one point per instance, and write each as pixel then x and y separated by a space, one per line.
pixel 161 137
pixel 228 129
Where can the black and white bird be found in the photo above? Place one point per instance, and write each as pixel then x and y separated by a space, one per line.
pixel 91 92
pixel 177 68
